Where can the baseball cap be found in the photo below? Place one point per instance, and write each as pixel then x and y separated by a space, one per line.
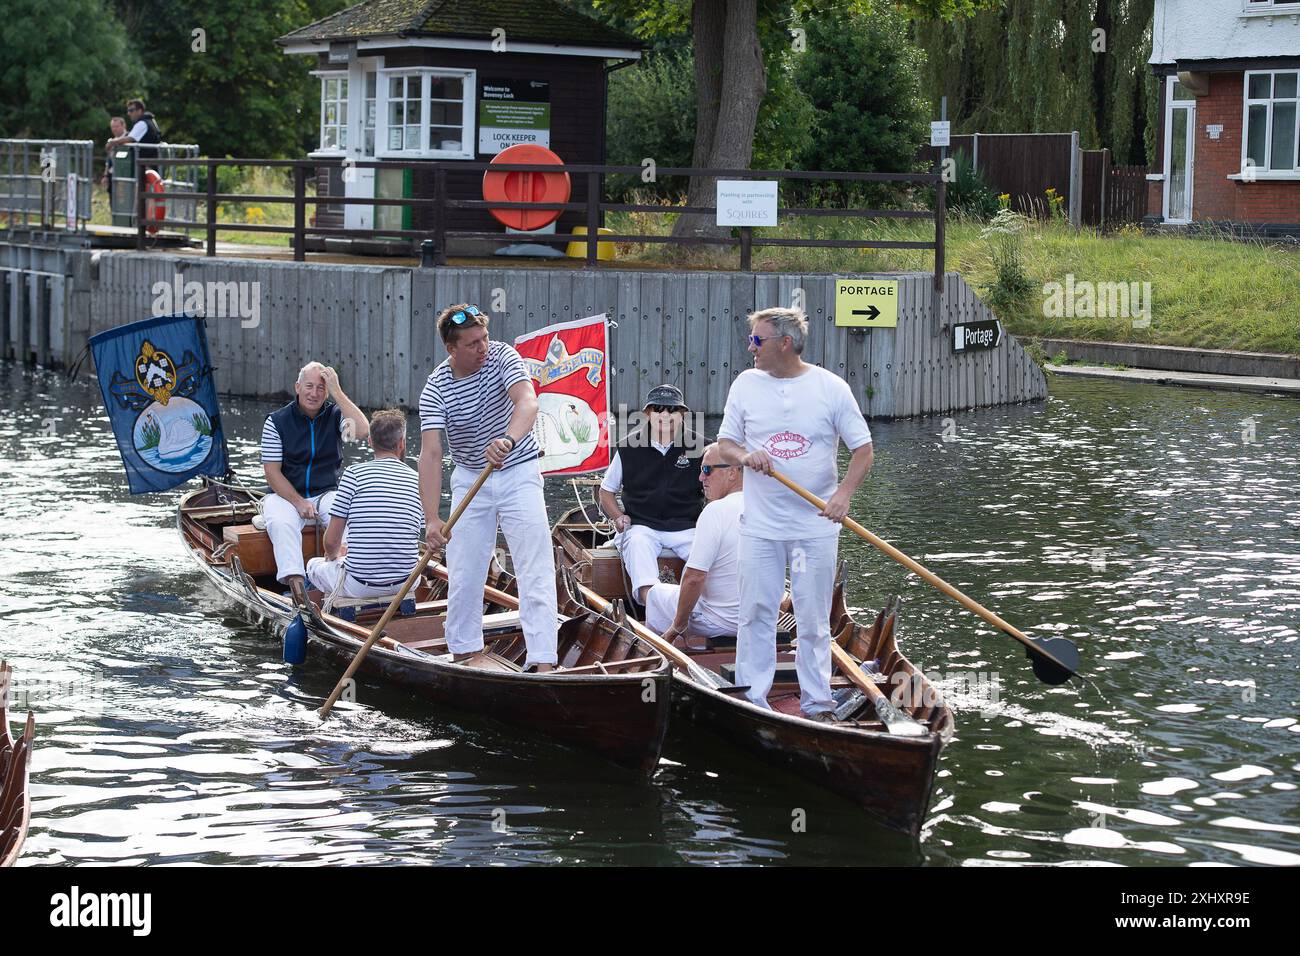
pixel 667 395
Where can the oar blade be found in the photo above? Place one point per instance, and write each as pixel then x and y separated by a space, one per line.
pixel 1048 671
pixel 897 722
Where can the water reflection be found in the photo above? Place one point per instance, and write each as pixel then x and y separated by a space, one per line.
pixel 1138 522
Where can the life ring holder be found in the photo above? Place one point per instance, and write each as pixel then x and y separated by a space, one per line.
pixel 154 208
pixel 522 186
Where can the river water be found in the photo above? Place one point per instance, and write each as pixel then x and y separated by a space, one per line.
pixel 1158 528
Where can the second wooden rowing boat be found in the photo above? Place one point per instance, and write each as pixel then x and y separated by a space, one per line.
pixel 891 777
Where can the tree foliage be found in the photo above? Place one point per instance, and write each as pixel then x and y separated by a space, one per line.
pixel 63 68
pixel 231 88
pixel 1047 66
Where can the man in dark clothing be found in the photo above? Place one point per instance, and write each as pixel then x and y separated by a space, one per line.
pixel 144 130
pixel 657 467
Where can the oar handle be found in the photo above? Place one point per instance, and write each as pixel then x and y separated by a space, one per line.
pixel 971 605
pixel 849 667
pixel 425 556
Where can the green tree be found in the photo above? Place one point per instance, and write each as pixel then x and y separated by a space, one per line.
pixel 63 70
pixel 1046 66
pixel 216 76
pixel 863 79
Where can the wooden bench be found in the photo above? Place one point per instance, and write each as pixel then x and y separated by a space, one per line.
pixel 254 547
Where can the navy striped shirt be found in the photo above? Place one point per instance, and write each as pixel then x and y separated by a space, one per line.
pixel 476 409
pixel 380 499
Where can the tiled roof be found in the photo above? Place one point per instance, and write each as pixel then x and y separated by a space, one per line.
pixel 525 21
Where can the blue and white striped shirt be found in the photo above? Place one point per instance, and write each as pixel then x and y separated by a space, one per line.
pixel 380 499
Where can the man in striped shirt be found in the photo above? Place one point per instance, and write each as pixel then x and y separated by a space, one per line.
pixel 302 450
pixel 377 505
pixel 482 397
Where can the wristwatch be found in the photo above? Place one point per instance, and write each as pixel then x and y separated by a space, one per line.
pixel 511 440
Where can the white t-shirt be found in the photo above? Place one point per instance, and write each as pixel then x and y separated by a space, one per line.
pixel 716 550
pixel 138 130
pixel 613 479
pixel 799 422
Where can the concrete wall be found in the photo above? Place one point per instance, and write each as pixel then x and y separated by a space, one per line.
pixel 375 324
pixel 1222 29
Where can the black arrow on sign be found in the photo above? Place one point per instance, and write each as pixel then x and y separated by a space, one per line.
pixel 870 313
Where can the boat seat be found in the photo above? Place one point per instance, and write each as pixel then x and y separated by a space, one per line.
pixel 253 546
pixel 349 608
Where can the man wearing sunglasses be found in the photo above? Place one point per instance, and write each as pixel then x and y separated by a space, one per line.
pixel 482 397
pixel 788 414
pixel 658 473
pixel 707 602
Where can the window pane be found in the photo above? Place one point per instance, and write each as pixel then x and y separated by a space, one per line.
pixel 331 114
pixel 1283 152
pixel 1181 92
pixel 445 114
pixel 413 111
pixel 1257 135
pixel 445 87
pixel 370 84
pixel 395 88
pixel 396 115
pixel 1284 86
pixel 327 140
pixel 444 139
pixel 1260 85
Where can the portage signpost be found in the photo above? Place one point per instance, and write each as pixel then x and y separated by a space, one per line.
pixel 866 303
pixel 976 336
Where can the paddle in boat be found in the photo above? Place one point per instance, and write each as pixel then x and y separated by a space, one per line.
pixel 15 758
pixel 610 694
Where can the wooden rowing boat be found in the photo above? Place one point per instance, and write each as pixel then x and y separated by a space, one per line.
pixel 15 795
pixel 889 776
pixel 610 696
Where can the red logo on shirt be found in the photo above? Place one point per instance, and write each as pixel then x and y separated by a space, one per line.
pixel 787 445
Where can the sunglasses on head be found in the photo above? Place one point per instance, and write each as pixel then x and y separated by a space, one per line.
pixel 461 316
pixel 707 470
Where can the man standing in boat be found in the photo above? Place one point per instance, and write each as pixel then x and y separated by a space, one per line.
pixel 706 604
pixel 302 451
pixel 482 397
pixel 377 504
pixel 788 414
pixel 658 470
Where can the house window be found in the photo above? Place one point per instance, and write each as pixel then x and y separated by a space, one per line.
pixel 1265 4
pixel 1272 107
pixel 429 113
pixel 334 112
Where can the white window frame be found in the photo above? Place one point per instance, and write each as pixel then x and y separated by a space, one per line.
pixel 1172 81
pixel 1265 172
pixel 325 76
pixel 1270 6
pixel 469 126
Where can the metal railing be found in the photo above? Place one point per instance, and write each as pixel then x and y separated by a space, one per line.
pixel 592 207
pixel 179 178
pixel 39 176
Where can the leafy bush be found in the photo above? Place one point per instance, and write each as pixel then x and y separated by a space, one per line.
pixel 969 193
pixel 1010 285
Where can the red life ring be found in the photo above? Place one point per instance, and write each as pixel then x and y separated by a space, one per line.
pixel 154 208
pixel 526 187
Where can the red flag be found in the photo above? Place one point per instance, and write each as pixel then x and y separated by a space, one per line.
pixel 570 370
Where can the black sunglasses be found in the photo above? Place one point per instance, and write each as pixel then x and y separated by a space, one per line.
pixel 707 470
pixel 663 408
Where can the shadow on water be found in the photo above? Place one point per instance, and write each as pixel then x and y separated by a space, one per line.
pixel 1157 528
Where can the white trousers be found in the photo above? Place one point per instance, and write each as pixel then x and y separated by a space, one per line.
pixel 284 525
pixel 661 609
pixel 325 574
pixel 513 500
pixel 762 585
pixel 640 547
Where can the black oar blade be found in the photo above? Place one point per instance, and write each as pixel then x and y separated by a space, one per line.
pixel 1049 672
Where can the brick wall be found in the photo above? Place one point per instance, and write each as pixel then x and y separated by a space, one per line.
pixel 1214 196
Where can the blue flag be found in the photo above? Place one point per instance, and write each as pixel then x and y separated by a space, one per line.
pixel 161 400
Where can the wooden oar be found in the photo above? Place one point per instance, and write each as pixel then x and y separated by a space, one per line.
pixel 699 674
pixel 1055 659
pixel 425 556
pixel 895 721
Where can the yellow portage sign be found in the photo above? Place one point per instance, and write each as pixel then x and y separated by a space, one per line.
pixel 866 303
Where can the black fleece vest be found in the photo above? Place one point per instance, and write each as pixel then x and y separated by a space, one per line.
pixel 661 491
pixel 312 449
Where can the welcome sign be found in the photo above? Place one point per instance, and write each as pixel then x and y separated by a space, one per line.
pixel 511 112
